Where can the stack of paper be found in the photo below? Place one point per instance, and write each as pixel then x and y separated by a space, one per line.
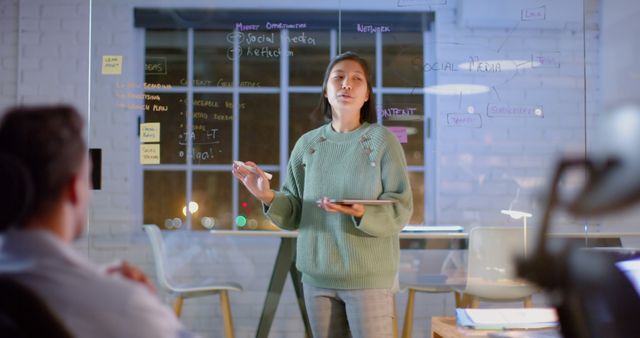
pixel 546 333
pixel 506 319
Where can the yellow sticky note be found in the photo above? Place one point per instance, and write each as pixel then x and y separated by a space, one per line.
pixel 112 64
pixel 150 154
pixel 150 132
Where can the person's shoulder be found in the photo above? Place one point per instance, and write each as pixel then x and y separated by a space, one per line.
pixel 312 134
pixel 310 137
pixel 305 142
pixel 380 133
pixel 144 313
pixel 83 293
pixel 137 302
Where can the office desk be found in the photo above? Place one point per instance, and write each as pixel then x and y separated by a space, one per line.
pixel 285 262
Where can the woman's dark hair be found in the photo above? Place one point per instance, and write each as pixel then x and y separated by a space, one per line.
pixel 41 150
pixel 367 112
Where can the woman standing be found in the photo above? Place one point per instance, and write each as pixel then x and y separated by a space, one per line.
pixel 348 254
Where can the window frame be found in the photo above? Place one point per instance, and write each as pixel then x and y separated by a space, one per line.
pixel 150 18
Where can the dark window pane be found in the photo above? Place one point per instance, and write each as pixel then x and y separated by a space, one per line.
pixel 211 65
pixel 164 198
pixel 212 192
pixel 260 128
pixel 404 115
pixel 166 57
pixel 250 216
pixel 302 115
pixel 400 52
pixel 310 57
pixel 212 128
pixel 169 110
pixel 417 188
pixel 259 58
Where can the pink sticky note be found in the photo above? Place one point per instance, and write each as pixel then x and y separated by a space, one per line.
pixel 400 132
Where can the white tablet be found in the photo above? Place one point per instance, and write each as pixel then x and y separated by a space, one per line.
pixel 369 202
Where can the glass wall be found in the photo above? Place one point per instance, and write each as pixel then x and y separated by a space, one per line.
pixel 483 95
pixel 482 101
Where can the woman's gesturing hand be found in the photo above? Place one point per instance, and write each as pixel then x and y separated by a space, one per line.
pixel 256 182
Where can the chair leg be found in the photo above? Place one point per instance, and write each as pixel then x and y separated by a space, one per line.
pixel 475 302
pixel 463 300
pixel 458 296
pixel 528 302
pixel 407 328
pixel 225 306
pixel 395 318
pixel 177 306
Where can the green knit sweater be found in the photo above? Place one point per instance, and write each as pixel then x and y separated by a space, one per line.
pixel 336 250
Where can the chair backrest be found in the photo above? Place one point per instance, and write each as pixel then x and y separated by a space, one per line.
pixel 159 254
pixel 24 315
pixel 491 272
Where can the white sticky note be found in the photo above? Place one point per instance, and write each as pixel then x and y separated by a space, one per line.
pixel 400 132
pixel 150 132
pixel 111 64
pixel 150 154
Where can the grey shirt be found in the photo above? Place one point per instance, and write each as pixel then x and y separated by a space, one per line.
pixel 89 302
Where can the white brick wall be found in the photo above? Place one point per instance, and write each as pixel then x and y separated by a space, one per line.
pixel 8 52
pixel 44 58
pixel 510 156
pixel 53 54
pixel 619 51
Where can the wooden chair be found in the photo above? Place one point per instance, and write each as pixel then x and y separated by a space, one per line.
pixel 432 284
pixel 189 291
pixel 407 327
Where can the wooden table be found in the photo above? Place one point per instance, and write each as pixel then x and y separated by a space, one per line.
pixel 445 327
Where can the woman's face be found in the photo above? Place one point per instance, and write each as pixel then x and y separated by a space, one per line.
pixel 347 87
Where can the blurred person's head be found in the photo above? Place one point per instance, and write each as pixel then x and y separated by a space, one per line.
pixel 44 170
